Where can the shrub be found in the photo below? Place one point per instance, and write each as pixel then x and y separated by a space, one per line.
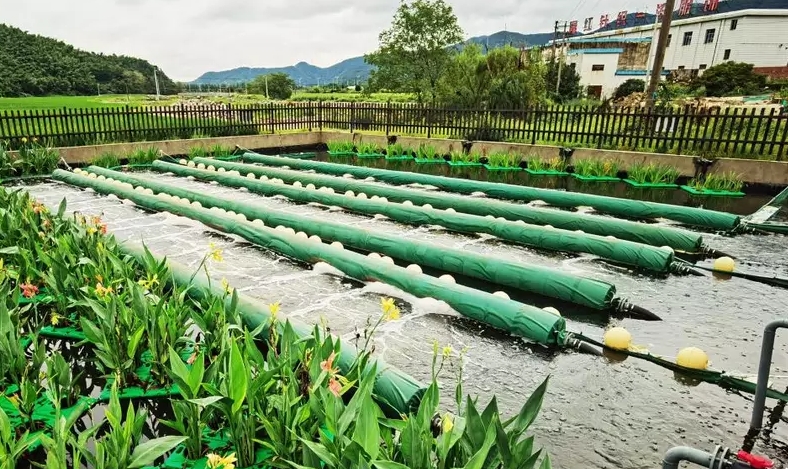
pixel 633 85
pixel 730 79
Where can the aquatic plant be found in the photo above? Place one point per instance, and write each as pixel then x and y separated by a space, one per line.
pixel 146 156
pixel 724 182
pixel 368 149
pixel 554 164
pixel 220 150
pixel 653 173
pixel 35 158
pixel 197 152
pixel 106 160
pixel 462 157
pixel 427 152
pixel 503 159
pixel 397 149
pixel 596 168
pixel 343 146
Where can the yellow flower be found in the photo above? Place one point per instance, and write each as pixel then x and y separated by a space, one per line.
pixel 221 462
pixel 55 320
pixel 274 308
pixel 446 423
pixel 24 139
pixel 101 290
pixel 92 230
pixel 447 351
pixel 215 253
pixel 226 286
pixel 14 400
pixel 393 314
pixel 150 282
pixel 387 304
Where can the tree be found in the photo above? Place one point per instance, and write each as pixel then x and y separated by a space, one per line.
pixel 570 81
pixel 275 85
pixel 416 49
pixel 730 79
pixel 633 85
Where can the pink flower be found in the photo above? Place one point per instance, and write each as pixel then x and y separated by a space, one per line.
pixel 327 365
pixel 334 387
pixel 28 290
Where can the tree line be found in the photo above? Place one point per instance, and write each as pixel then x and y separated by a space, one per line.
pixel 33 65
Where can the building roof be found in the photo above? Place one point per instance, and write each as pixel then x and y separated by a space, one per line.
pixel 596 51
pixel 725 6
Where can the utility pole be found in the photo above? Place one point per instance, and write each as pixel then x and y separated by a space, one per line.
pixel 560 63
pixel 98 89
pixel 266 87
pixel 555 37
pixel 156 81
pixel 659 54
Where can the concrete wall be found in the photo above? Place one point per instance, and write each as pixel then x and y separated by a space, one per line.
pixel 751 171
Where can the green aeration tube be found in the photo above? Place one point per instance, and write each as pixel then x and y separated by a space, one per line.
pixel 516 318
pixel 621 207
pixel 535 279
pixel 625 252
pixel 393 388
pixel 681 240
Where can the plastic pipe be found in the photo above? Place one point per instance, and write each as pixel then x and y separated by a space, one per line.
pixel 393 388
pixel 653 235
pixel 614 206
pixel 516 318
pixel 677 454
pixel 535 279
pixel 624 252
pixel 764 367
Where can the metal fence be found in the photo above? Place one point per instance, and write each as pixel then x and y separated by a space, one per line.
pixel 752 133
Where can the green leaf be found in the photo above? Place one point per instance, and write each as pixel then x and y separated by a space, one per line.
pixel 367 432
pixel 238 378
pixel 134 341
pixel 148 452
pixel 477 460
pixel 206 401
pixel 10 250
pixel 529 411
pixel 61 209
pixel 546 464
pixel 389 465
pixel 321 452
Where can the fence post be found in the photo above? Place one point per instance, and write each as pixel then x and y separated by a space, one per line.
pixel 128 123
pixel 535 126
pixel 352 115
pixel 271 116
pixel 388 118
pixel 320 115
pixel 429 122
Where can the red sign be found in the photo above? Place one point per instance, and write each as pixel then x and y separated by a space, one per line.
pixel 711 5
pixel 685 8
pixel 621 20
pixel 588 25
pixel 604 20
pixel 660 11
pixel 573 27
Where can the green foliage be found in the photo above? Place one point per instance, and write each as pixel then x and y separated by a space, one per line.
pixel 462 157
pixel 569 88
pixel 724 182
pixel 367 149
pixel 274 85
pixel 730 79
pixel 653 173
pixel 633 85
pixel 12 446
pixel 504 159
pixel 344 146
pixel 32 158
pixel 415 50
pixel 147 156
pixel 396 150
pixel 554 164
pixel 596 168
pixel 39 66
pixel 197 152
pixel 427 152
pixel 106 160
pixel 220 150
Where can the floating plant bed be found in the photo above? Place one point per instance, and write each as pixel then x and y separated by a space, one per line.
pixel 596 178
pixel 429 160
pixel 399 158
pixel 652 185
pixel 370 155
pixel 464 164
pixel 502 168
pixel 67 333
pixel 546 172
pixel 341 153
pixel 710 193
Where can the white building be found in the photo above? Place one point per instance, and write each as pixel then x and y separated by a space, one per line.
pixel 751 31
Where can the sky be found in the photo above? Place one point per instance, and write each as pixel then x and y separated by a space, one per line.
pixel 186 38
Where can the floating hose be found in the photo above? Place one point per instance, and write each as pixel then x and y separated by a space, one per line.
pixel 394 389
pixel 681 240
pixel 624 307
pixel 535 279
pixel 516 318
pixel 710 376
pixel 768 280
pixel 622 207
pixel 625 252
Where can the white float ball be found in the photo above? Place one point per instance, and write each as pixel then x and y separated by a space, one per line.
pixel 315 238
pixel 182 161
pixel 490 217
pixel 92 176
pixel 138 188
pixel 501 294
pixel 234 173
pixel 241 217
pixel 191 164
pixel 258 222
pixel 298 184
pixel 148 191
pixel 101 177
pixel 347 176
pixel 374 197
pixel 374 255
pixel 383 199
pixel 302 235
pixel 230 213
pixel 387 260
pixel 552 310
pixel 549 227
pixel 263 177
pixel 414 269
pixel 362 195
pixel 196 204
pixel 350 193
pixel 290 231
pixel 428 206
pixel 369 179
pixel 521 222
pixel 310 187
pixel 407 203
pixel 280 228
pixel 251 176
pixel 221 170
pixel 447 278
pixel 451 210
pixel 201 166
pixel 330 190
pixel 337 244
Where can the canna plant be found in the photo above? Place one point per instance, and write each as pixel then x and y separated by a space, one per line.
pixel 14 359
pixel 61 384
pixel 143 157
pixel 35 158
pixel 653 174
pixel 427 152
pixel 503 160
pixel 344 146
pixel 596 168
pixel 396 149
pixel 13 445
pixel 221 151
pixel 368 149
pixel 106 160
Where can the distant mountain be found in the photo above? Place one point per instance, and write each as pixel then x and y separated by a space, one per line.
pixel 351 69
pixel 34 65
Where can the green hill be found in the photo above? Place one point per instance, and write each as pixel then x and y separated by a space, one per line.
pixel 32 65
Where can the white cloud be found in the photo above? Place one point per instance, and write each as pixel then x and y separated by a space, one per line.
pixel 188 37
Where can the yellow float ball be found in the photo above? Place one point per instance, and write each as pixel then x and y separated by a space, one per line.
pixel 618 338
pixel 692 357
pixel 724 264
pixel 550 309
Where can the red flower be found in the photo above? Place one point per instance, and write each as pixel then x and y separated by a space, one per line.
pixel 334 387
pixel 28 290
pixel 327 365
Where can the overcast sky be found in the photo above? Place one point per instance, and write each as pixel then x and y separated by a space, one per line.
pixel 188 37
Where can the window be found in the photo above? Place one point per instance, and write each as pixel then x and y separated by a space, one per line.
pixel 703 66
pixel 687 38
pixel 670 36
pixel 727 54
pixel 597 67
pixel 681 67
pixel 734 24
pixel 709 36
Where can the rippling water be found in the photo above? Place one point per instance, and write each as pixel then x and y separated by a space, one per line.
pixel 597 413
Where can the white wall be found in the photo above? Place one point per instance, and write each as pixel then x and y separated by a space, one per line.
pixel 606 78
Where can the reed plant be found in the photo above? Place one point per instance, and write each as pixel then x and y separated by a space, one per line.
pixel 344 146
pixel 653 173
pixel 596 168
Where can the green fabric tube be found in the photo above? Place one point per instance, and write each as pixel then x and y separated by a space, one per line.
pixel 534 279
pixel 614 206
pixel 681 240
pixel 393 388
pixel 516 318
pixel 625 252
